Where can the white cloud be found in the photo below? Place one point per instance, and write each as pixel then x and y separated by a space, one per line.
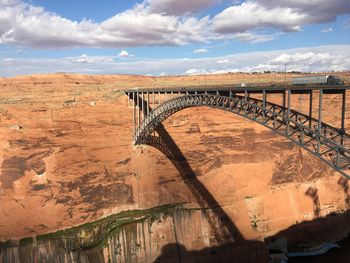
pixel 85 59
pixel 179 7
pixel 297 58
pixel 225 71
pixel 284 15
pixel 253 38
pixel 82 59
pixel 327 30
pixel 200 51
pixel 194 71
pixel 124 54
pixel 26 25
pixel 223 61
pixel 320 10
pixel 347 23
pixel 251 15
pixel 8 2
pixel 313 59
pixel 9 60
pixel 162 22
pixel 162 74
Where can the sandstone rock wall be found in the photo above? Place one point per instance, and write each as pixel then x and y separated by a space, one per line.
pixel 66 159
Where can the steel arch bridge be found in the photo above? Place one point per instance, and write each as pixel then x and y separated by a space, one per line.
pixel 330 144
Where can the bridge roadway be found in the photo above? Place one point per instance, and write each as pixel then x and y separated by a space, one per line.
pixel 151 106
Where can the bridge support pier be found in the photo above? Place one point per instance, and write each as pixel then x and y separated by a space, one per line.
pixel 310 108
pixel 133 113
pixel 319 122
pixel 289 93
pixel 343 107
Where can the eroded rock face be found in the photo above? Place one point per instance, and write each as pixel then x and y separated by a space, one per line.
pixel 66 161
pixel 168 233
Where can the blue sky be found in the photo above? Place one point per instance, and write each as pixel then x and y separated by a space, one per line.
pixel 160 37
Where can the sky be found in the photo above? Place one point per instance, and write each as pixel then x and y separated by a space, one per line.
pixel 173 37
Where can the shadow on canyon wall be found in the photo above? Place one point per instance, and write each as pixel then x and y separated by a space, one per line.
pixel 297 238
pixel 242 252
pixel 221 224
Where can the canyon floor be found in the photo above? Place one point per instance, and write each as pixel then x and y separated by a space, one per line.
pixel 67 158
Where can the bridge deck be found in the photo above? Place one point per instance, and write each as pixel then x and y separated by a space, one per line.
pixel 251 89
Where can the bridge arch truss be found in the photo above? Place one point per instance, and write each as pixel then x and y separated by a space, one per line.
pixel 330 144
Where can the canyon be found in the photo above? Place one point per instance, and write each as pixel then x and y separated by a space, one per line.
pixel 73 188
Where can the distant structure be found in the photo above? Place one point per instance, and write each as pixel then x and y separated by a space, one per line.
pixel 317 80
